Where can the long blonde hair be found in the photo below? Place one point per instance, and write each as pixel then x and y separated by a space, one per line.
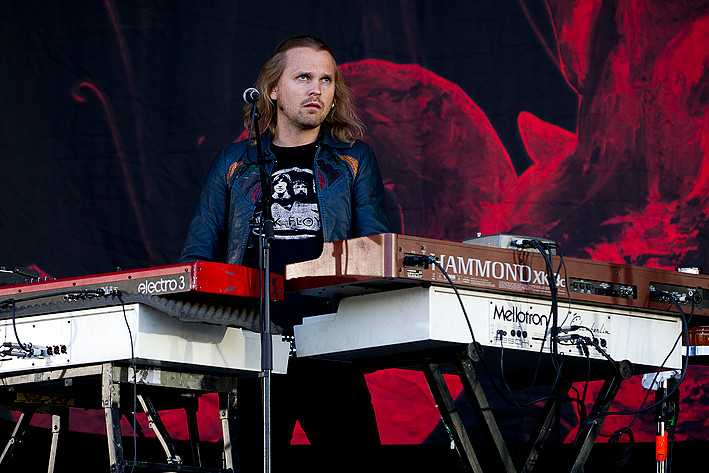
pixel 343 120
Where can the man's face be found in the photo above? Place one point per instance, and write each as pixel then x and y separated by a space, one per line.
pixel 305 91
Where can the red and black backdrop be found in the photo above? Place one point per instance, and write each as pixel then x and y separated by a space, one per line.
pixel 583 121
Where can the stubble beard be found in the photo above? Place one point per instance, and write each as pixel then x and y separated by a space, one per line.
pixel 303 119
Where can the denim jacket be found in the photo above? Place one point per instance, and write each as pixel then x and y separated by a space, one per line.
pixel 349 189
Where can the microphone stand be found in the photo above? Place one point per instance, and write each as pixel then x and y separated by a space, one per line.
pixel 265 236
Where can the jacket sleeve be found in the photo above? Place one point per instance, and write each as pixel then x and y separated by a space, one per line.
pixel 368 211
pixel 206 234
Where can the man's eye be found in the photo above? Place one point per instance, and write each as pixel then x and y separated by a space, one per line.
pixel 327 79
pixel 302 76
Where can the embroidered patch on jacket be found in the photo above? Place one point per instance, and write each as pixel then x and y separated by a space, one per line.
pixel 354 165
pixel 247 178
pixel 331 170
pixel 232 170
pixel 328 173
pixel 321 180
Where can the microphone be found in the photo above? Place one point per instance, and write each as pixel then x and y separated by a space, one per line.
pixel 251 95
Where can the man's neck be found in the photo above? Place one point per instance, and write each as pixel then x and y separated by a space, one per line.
pixel 287 138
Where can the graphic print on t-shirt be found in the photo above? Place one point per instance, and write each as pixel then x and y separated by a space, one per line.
pixel 294 204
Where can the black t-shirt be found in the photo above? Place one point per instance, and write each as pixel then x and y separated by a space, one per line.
pixel 296 214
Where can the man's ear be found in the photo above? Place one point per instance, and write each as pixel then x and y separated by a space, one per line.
pixel 274 93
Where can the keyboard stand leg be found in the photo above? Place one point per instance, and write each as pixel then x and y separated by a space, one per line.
pixel 589 430
pixel 60 423
pixel 451 417
pixel 131 417
pixel 18 432
pixel 481 408
pixel 160 431
pixel 227 403
pixel 110 399
pixel 545 422
pixel 193 431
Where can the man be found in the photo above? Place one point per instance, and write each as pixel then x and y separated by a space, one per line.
pixel 326 187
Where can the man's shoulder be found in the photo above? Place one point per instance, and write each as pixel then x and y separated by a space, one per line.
pixel 360 145
pixel 233 160
pixel 235 151
pixel 357 147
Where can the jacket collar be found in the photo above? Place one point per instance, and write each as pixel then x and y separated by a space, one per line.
pixel 332 142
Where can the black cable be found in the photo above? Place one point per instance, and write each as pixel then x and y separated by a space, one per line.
pixel 538 245
pixel 80 294
pixel 551 276
pixel 69 295
pixel 624 453
pixel 545 249
pixel 528 403
pixel 553 316
pixel 486 369
pixel 639 411
pixel 503 395
pixel 586 341
pixel 591 341
pixel 585 386
pixel 581 407
pixel 582 413
pixel 135 384
pixel 581 410
pixel 523 406
pixel 594 343
pixel 433 260
pixel 84 294
pixel 23 347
